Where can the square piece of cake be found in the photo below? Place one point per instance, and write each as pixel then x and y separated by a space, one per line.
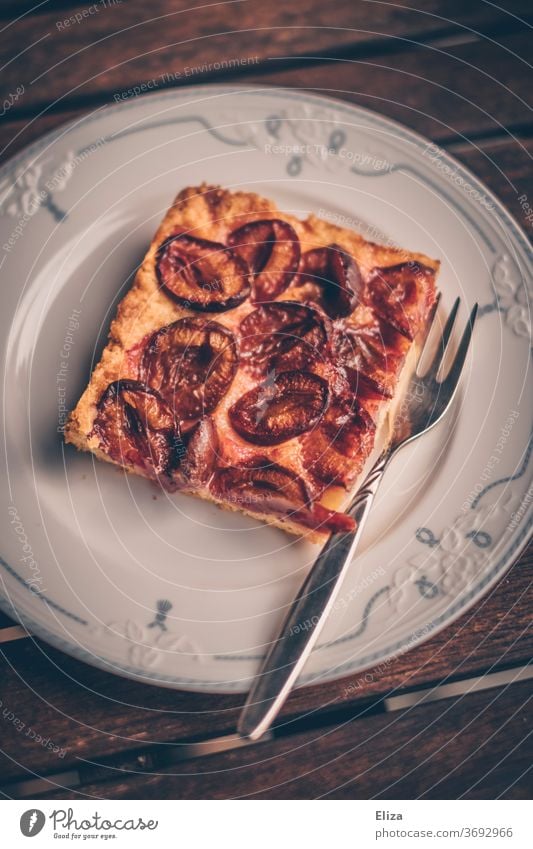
pixel 254 359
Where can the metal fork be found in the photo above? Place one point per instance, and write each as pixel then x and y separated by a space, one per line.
pixel 424 402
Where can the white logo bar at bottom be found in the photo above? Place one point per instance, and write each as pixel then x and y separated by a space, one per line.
pixel 267 824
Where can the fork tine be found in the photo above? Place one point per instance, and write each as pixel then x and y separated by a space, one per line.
pixel 431 323
pixel 443 341
pixel 452 378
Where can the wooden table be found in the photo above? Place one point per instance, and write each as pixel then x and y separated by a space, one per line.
pixel 455 71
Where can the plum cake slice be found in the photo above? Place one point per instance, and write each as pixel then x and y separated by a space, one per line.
pixel 254 359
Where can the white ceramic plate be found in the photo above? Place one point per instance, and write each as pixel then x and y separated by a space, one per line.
pixel 172 590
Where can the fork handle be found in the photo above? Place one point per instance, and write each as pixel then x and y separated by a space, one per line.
pixel 307 615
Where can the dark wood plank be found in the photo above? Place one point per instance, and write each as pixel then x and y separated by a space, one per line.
pixel 91 714
pixel 6 621
pixel 12 9
pixel 475 746
pixel 125 44
pixel 444 94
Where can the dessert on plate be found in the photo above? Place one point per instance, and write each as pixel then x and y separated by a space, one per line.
pixel 254 359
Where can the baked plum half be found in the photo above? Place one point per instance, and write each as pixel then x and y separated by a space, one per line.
pixel 335 277
pixel 202 275
pixel 191 363
pixel 269 488
pixel 199 461
pixel 402 295
pixel 346 432
pixel 137 428
pixel 271 249
pixel 281 336
pixel 283 406
pixel 261 484
pixel 371 355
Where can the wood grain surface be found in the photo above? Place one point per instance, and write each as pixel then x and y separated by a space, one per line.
pixel 460 748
